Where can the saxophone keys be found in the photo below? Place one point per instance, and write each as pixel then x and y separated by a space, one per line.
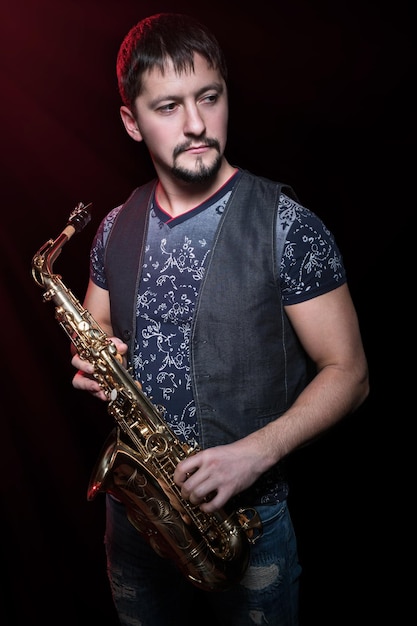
pixel 157 444
pixel 251 523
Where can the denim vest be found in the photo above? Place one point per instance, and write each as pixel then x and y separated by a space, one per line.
pixel 247 365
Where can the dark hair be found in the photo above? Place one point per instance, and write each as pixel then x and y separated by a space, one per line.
pixel 161 37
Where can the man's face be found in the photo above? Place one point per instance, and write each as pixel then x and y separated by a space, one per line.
pixel 182 118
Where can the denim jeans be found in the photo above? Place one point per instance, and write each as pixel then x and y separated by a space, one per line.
pixel 149 591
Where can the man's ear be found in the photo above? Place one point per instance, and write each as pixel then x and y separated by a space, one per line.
pixel 130 124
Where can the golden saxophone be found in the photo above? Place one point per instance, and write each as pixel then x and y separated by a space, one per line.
pixel 139 457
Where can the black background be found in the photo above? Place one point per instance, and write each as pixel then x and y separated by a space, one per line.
pixel 321 98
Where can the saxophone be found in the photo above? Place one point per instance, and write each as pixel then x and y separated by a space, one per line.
pixel 138 459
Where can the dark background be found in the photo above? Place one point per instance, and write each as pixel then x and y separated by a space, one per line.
pixel 320 96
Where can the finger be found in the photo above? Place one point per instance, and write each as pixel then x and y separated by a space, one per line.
pixel 82 365
pixel 199 488
pixel 214 504
pixel 86 383
pixel 120 345
pixel 184 470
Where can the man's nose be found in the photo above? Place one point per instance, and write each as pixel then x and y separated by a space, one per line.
pixel 194 123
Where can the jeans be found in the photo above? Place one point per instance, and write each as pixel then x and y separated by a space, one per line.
pixel 148 590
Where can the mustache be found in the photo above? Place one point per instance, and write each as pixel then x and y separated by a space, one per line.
pixel 210 143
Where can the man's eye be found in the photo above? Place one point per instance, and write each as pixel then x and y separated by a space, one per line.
pixel 211 98
pixel 167 108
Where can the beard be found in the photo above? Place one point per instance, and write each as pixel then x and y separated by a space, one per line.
pixel 202 173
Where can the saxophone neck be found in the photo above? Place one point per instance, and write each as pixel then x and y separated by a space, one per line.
pixel 44 259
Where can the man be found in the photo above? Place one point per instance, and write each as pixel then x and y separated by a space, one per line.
pixel 235 290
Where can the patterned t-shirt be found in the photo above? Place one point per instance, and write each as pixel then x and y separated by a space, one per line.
pixel 174 264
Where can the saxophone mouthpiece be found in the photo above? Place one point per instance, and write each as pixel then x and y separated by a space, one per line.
pixel 77 220
pixel 80 216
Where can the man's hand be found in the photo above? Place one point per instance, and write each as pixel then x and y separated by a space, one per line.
pixel 84 378
pixel 211 477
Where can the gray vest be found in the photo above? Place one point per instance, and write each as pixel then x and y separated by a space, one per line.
pixel 247 365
